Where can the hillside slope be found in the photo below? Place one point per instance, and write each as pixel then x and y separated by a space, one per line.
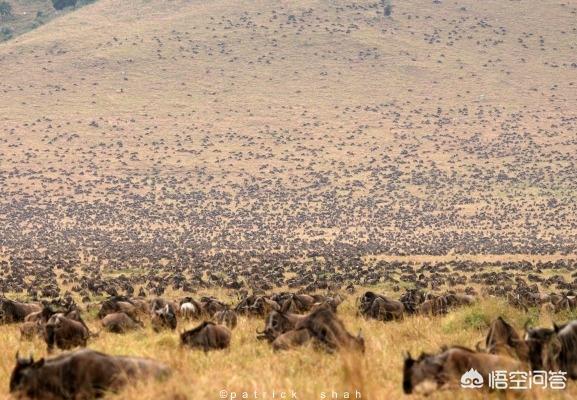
pixel 173 128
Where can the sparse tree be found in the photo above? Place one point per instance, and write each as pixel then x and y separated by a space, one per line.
pixel 5 9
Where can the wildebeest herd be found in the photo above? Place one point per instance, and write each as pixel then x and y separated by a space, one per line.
pixel 291 319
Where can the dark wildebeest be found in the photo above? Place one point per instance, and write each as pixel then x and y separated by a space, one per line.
pixel 434 305
pixel 256 305
pixel 554 349
pixel 329 331
pixel 65 333
pixel 118 304
pixel 444 370
pixel 296 302
pixel 80 375
pixel 14 311
pixel 503 339
pixel 207 336
pixel 291 339
pixel 158 304
pixel 277 323
pixel 379 307
pixel 211 306
pixel 227 318
pixel 164 318
pixel 120 323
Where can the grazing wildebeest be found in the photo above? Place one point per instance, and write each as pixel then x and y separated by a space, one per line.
pixel 291 339
pixel 554 349
pixel 502 338
pixel 444 370
pixel 227 318
pixel 296 303
pixel 80 375
pixel 211 306
pixel 190 308
pixel 118 304
pixel 256 305
pixel 379 307
pixel 14 311
pixel 158 304
pixel 329 331
pixel 277 323
pixel 207 336
pixel 65 333
pixel 164 318
pixel 120 323
pixel 436 305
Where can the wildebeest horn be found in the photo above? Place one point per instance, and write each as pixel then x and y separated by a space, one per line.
pixel 556 328
pixel 261 332
pixel 408 356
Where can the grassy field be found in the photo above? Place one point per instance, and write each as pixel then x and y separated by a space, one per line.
pixel 251 365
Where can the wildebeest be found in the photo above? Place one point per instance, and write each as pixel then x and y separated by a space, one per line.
pixel 444 370
pixel 211 306
pixel 65 333
pixel 80 375
pixel 296 302
pixel 376 306
pixel 277 323
pixel 190 308
pixel 118 304
pixel 207 336
pixel 503 338
pixel 14 311
pixel 120 323
pixel 554 349
pixel 256 305
pixel 227 318
pixel 291 339
pixel 329 331
pixel 436 305
pixel 164 318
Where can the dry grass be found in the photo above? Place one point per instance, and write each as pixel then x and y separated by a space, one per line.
pixel 251 365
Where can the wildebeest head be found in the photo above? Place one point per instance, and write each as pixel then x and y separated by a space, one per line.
pixel 330 331
pixel 277 323
pixel 421 374
pixel 116 304
pixel 164 318
pixel 537 340
pixel 501 333
pixel 23 374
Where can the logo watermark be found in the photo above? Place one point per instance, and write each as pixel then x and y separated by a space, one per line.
pixel 515 380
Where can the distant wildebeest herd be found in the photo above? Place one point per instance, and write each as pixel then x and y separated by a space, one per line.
pixel 291 319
